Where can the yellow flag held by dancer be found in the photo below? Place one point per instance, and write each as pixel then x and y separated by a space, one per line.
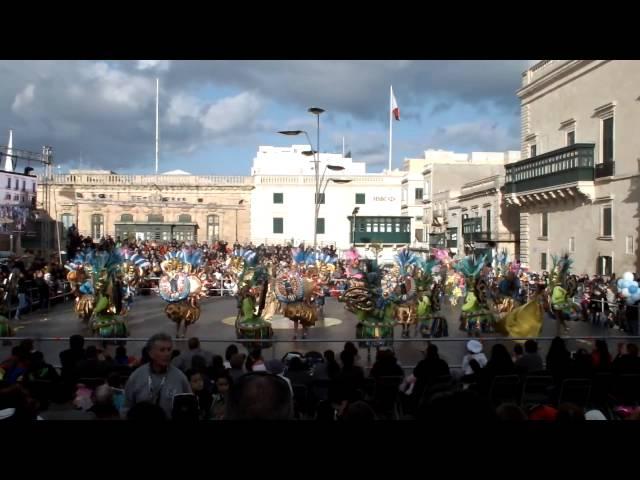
pixel 523 321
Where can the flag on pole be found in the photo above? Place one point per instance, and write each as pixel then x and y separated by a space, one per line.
pixel 394 106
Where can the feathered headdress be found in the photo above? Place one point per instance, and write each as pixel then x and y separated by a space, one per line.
pixel 81 260
pixel 426 266
pixel 105 263
pixel 404 259
pixel 298 256
pixel 352 255
pixel 135 259
pixel 326 264
pixel 470 268
pixel 561 268
pixel 192 256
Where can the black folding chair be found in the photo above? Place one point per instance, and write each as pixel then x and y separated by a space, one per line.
pixel 626 389
pixel 576 391
pixel 601 391
pixel 444 383
pixel 92 383
pixel 385 397
pixel 320 388
pixel 42 390
pixel 505 389
pixel 537 390
pixel 300 400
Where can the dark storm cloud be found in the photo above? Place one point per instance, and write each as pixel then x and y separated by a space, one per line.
pixel 104 111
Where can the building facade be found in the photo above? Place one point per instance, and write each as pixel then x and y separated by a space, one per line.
pixel 17 211
pixel 486 223
pixel 411 200
pixel 283 201
pixel 443 174
pixel 577 188
pixel 161 208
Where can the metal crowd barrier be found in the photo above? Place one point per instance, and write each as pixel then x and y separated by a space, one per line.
pixel 302 344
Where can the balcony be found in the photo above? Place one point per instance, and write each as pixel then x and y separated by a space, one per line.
pixel 564 173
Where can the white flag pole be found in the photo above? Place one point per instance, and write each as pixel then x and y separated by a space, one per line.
pixel 157 119
pixel 390 124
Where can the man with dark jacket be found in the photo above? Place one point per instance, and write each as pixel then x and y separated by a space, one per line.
pixel 70 358
pixel 632 318
pixel 428 371
pixel 531 361
pixel 627 363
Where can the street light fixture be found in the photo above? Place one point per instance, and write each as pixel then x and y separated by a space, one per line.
pixel 353 215
pixel 318 179
pixel 317 112
pixel 291 132
pixel 237 208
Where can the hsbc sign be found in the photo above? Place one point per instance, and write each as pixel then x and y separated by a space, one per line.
pixel 384 198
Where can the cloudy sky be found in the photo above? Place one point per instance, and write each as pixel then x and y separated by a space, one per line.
pixel 215 114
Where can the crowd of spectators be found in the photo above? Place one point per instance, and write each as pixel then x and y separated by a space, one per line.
pixel 162 383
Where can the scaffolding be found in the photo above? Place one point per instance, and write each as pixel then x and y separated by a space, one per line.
pixel 45 159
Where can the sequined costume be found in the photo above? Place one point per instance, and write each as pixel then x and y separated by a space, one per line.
pixel 429 290
pixel 476 317
pixel 296 290
pixel 97 280
pixel 563 287
pixel 180 286
pixel 253 283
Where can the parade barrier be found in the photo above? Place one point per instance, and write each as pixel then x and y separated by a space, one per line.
pixel 281 347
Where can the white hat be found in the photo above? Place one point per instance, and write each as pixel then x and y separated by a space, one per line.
pixel 474 346
pixel 594 415
pixel 7 413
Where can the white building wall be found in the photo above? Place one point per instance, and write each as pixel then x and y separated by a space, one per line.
pixel 382 197
pixel 412 206
pixel 290 161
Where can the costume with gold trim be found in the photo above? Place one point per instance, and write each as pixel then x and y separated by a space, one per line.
pixel 253 287
pixel 180 286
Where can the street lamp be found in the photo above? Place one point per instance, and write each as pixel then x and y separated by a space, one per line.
pixel 318 179
pixel 239 203
pixel 317 112
pixel 353 214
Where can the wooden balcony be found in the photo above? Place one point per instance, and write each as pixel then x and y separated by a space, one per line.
pixel 563 173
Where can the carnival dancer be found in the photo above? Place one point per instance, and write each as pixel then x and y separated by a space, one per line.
pixel 563 287
pixel 428 300
pixel 253 284
pixel 295 289
pixel 476 317
pixel 81 282
pixel 180 286
pixel 321 274
pixel 133 268
pixel 107 287
pixel 404 289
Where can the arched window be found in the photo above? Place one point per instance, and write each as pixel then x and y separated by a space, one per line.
pixel 126 217
pixel 155 218
pixel 184 218
pixel 213 228
pixel 97 226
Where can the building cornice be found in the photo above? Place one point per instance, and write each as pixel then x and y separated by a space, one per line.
pixel 553 76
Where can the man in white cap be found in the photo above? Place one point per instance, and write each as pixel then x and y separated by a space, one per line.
pixel 474 352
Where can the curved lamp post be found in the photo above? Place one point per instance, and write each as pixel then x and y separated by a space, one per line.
pixel 319 179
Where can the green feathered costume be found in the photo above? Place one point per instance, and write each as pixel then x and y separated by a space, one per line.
pixel 563 287
pixel 253 283
pixel 107 319
pixel 476 316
